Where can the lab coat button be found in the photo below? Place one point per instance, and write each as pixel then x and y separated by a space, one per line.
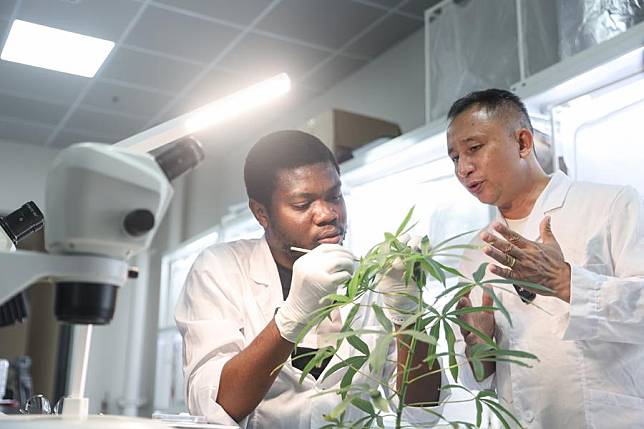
pixel 529 416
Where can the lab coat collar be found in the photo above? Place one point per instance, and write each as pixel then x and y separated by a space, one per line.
pixel 263 272
pixel 552 197
pixel 263 268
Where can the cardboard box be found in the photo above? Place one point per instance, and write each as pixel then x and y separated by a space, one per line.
pixel 344 131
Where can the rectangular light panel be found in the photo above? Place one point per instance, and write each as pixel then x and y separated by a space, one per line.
pixel 50 48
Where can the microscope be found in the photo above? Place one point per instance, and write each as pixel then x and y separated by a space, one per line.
pixel 103 205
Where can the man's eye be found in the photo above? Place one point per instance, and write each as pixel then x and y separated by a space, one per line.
pixel 475 148
pixel 455 159
pixel 335 197
pixel 301 206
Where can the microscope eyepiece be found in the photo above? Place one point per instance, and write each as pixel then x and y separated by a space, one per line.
pixel 22 222
pixel 178 157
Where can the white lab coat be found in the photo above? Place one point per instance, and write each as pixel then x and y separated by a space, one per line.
pixel 591 351
pixel 231 294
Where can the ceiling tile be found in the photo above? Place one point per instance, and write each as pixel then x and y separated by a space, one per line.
pixel 68 137
pixel 329 23
pixel 28 110
pixel 418 7
pixel 98 18
pixel 103 124
pixel 126 100
pixel 180 35
pixel 40 83
pixel 21 132
pixel 149 70
pixel 333 72
pixel 240 12
pixel 383 36
pixel 262 57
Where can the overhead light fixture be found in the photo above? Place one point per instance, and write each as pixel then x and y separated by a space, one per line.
pixel 54 49
pixel 213 113
pixel 234 104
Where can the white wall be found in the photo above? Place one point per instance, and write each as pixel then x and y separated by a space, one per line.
pixel 23 172
pixel 391 87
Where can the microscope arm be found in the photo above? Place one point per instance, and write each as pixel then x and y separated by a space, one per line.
pixel 23 268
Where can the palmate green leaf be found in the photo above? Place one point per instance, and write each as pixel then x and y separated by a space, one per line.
pixel 434 332
pixel 525 284
pixel 451 340
pixel 480 272
pixel 363 405
pixel 450 270
pixel 339 409
pixel 317 359
pixel 459 285
pixel 354 361
pixel 419 336
pixel 479 413
pixel 501 413
pixel 382 318
pixel 471 328
pixel 380 402
pixel 379 353
pixel 467 310
pixel 456 298
pixel 358 344
pixel 404 223
pixel 347 378
pixel 478 368
pixel 436 271
pixel 499 304
pixel 450 239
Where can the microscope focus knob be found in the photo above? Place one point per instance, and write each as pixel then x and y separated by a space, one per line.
pixel 138 222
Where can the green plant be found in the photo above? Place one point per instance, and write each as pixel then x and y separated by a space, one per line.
pixel 426 325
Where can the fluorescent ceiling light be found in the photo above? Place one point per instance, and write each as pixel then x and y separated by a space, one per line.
pixel 54 49
pixel 213 113
pixel 231 106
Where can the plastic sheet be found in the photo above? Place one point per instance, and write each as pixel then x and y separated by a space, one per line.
pixel 585 23
pixel 472 46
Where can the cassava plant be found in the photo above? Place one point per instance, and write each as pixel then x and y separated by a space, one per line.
pixel 431 322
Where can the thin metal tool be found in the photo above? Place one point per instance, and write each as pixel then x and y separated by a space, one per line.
pixel 302 250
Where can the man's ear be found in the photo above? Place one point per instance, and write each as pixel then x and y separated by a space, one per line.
pixel 526 142
pixel 260 212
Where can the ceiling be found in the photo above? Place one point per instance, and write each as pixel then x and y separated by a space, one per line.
pixel 174 55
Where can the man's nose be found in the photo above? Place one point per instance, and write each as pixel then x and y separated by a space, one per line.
pixel 325 213
pixel 464 168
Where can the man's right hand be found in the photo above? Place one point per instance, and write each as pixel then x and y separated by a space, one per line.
pixel 481 320
pixel 315 275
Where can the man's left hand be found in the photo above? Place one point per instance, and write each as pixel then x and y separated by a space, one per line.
pixel 541 263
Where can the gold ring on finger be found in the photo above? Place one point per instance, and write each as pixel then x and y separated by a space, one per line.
pixel 511 260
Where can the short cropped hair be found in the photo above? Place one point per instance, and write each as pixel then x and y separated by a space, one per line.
pixel 495 102
pixel 281 150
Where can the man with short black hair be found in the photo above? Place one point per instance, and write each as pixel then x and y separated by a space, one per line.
pixel 584 242
pixel 245 303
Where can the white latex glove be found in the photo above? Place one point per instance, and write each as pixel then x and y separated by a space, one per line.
pixel 315 275
pixel 397 296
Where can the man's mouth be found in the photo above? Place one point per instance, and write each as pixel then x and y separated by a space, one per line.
pixel 475 187
pixel 333 237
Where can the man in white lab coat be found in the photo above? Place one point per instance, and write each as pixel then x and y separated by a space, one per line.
pixel 244 303
pixel 583 241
